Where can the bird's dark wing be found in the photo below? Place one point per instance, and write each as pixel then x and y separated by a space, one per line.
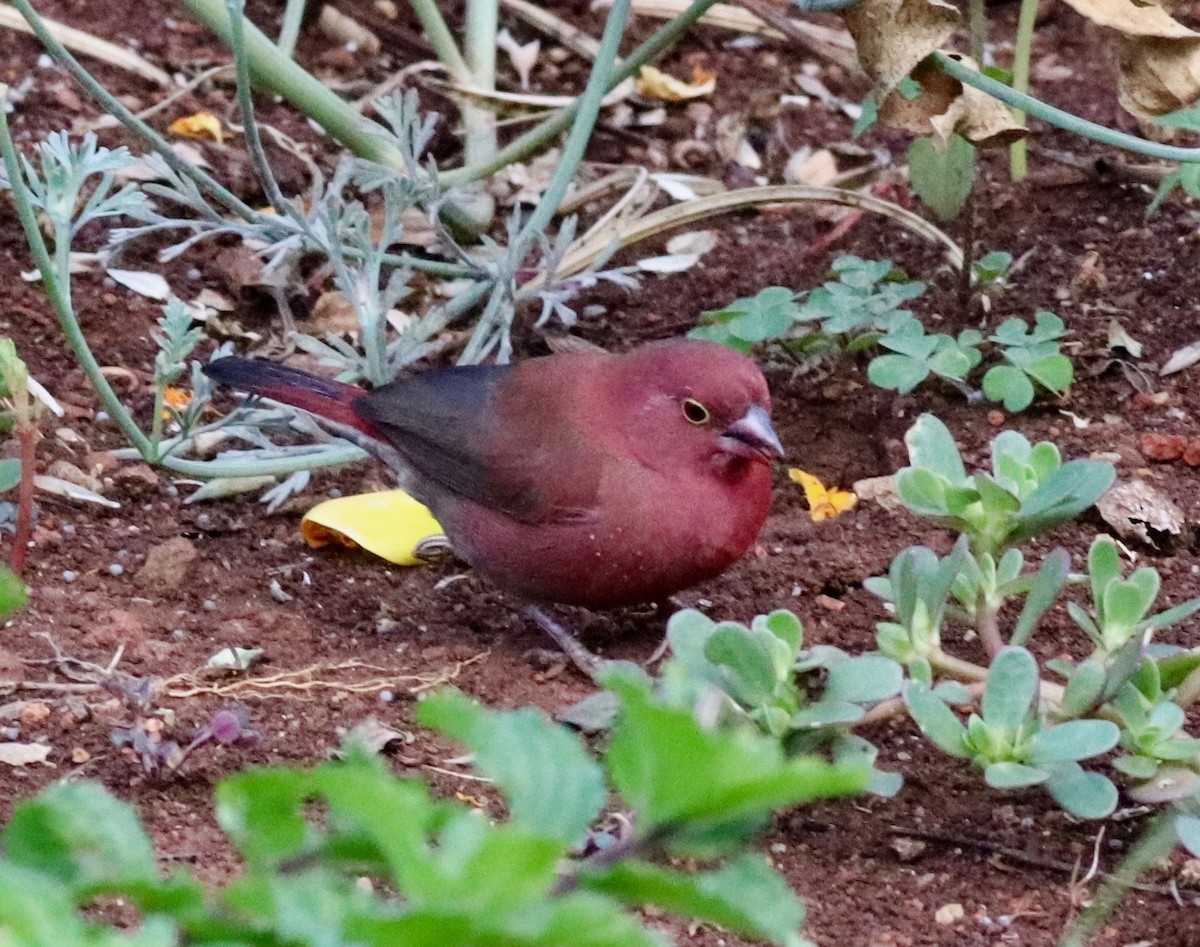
pixel 450 427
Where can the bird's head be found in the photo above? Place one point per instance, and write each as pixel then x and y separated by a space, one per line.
pixel 700 400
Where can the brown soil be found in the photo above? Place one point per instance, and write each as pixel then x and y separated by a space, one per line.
pixel 1009 860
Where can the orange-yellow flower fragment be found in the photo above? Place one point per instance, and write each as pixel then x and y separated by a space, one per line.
pixel 823 502
pixel 175 398
pixel 656 84
pixel 390 524
pixel 203 126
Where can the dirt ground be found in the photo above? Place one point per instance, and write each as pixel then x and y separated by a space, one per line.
pixel 341 628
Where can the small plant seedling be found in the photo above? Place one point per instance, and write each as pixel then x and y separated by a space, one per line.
pixel 451 875
pixel 1028 491
pixel 767 677
pixel 942 175
pixel 862 302
pixel 863 307
pixel 1035 360
pixel 1121 606
pixel 1014 744
pixel 914 356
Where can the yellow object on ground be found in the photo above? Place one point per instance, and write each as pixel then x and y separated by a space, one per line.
pixel 390 524
pixel 823 502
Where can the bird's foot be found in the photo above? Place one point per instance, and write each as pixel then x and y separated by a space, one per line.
pixel 571 646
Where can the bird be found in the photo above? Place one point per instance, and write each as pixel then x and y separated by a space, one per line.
pixel 582 478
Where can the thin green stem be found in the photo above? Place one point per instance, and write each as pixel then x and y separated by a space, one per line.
pixel 279 467
pixel 289 32
pixel 245 100
pixel 480 140
pixel 1060 119
pixel 277 73
pixel 1151 848
pixel 433 25
pixel 536 137
pixel 977 18
pixel 55 282
pixel 1022 55
pixel 587 111
pixel 114 107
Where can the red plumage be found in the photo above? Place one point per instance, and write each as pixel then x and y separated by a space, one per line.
pixel 580 478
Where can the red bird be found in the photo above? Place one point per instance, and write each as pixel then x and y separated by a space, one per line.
pixel 579 478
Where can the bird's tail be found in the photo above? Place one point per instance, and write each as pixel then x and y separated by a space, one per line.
pixel 323 397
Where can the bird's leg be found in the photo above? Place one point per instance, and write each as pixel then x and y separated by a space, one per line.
pixel 665 607
pixel 571 646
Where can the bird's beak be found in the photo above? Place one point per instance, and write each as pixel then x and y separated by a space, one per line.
pixel 752 436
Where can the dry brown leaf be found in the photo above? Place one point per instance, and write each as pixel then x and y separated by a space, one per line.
pixel 894 39
pixel 1159 57
pixel 1134 509
pixel 656 84
pixel 945 106
pixel 811 167
pixel 203 126
pixel 1158 76
pixel 894 36
pixel 346 31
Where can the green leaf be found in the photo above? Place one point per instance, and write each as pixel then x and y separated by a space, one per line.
pixel 1042 594
pixel 826 713
pixel 899 373
pixel 1104 566
pixel 550 782
pixel 36 909
pixel 1009 385
pixel 1123 607
pixel 1187 828
pixel 785 626
pixel 1084 687
pixel 746 660
pixel 1083 794
pixel 935 719
pixel 1009 775
pixel 1074 740
pixel 744 896
pixel 79 834
pixel 864 679
pixel 931 447
pixel 261 811
pixel 922 492
pixel 672 771
pixel 1011 688
pixel 1136 767
pixel 1055 372
pixel 13 593
pixel 10 473
pixel 1066 493
pixel 1167 618
pixel 942 177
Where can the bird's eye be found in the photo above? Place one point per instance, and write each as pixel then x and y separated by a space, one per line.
pixel 695 412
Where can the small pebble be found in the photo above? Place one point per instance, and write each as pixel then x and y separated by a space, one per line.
pixel 101 416
pixel 204 521
pixel 116 569
pixel 171 490
pixel 386 697
pixel 179 634
pixel 209 605
pixel 11 733
pixel 334 493
pixel 69 575
pixel 123 555
pixel 67 529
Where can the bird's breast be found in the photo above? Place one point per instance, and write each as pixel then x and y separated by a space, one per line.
pixel 647 536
